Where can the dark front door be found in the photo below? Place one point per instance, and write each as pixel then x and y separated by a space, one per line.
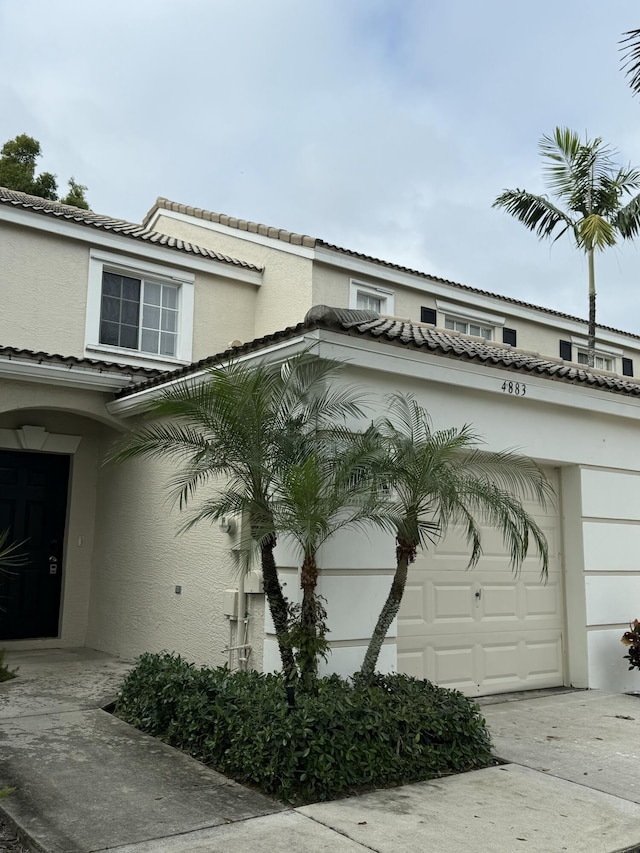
pixel 33 508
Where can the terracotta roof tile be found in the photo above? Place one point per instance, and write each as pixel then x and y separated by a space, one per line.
pixel 419 337
pixel 232 222
pixel 88 218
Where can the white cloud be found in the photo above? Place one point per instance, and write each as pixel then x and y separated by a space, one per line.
pixel 386 127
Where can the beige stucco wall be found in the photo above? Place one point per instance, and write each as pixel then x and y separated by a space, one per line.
pixel 285 294
pixel 224 311
pixel 56 410
pixel 43 284
pixel 140 557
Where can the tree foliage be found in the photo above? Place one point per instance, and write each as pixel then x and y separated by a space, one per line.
pixel 592 190
pixel 631 58
pixel 18 172
pixel 269 441
pixel 236 437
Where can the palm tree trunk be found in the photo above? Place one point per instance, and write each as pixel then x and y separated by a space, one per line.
pixel 390 609
pixel 277 604
pixel 308 657
pixel 591 342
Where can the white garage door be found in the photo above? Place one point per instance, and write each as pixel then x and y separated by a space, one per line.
pixel 484 630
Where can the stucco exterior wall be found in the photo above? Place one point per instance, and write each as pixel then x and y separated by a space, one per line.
pixel 285 294
pixel 224 311
pixel 139 560
pixel 43 284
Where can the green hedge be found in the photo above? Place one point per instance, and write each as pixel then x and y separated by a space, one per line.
pixel 350 735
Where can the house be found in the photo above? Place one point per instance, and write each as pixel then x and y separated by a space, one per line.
pixel 99 314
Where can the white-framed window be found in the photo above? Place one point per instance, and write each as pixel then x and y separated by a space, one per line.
pixel 468 328
pixel 370 297
pixel 141 310
pixel 606 357
pixel 468 320
pixel 602 362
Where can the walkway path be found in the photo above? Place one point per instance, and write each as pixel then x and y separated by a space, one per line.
pixel 86 781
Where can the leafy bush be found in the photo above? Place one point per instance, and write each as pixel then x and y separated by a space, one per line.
pixel 631 639
pixel 5 672
pixel 387 730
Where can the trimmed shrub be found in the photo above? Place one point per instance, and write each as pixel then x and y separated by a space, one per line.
pixel 349 735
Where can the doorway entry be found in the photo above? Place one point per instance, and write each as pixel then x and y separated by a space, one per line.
pixel 33 508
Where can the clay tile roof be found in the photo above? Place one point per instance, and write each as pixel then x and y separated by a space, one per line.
pixel 416 336
pixel 71 361
pixel 88 218
pixel 316 242
pixel 232 222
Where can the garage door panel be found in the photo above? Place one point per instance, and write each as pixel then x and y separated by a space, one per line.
pixel 484 630
pixel 498 664
pixel 451 601
pixel 543 602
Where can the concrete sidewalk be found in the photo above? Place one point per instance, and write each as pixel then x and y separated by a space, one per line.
pixel 86 781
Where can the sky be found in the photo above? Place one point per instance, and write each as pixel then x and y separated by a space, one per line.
pixel 384 126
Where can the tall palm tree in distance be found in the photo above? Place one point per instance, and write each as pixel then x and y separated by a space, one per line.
pixel 592 190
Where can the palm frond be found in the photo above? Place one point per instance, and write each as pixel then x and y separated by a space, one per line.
pixel 627 219
pixel 595 232
pixel 537 213
pixel 631 58
pixel 10 553
pixel 443 478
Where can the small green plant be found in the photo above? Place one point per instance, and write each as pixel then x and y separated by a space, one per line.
pixel 4 792
pixel 5 673
pixel 345 736
pixel 631 639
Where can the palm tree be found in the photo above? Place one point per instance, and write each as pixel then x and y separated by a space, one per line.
pixel 327 490
pixel 631 58
pixel 241 426
pixel 441 479
pixel 585 179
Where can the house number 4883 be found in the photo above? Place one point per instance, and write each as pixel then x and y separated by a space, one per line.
pixel 518 389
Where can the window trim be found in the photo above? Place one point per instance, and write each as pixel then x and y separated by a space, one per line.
pixel 101 261
pixel 597 354
pixel 612 353
pixel 451 318
pixel 463 314
pixel 385 295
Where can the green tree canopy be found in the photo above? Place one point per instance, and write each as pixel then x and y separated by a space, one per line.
pixel 18 172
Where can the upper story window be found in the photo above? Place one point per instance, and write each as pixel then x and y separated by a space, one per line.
pixel 468 320
pixel 369 297
pixel 466 328
pixel 141 310
pixel 602 362
pixel 139 314
pixel 605 358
